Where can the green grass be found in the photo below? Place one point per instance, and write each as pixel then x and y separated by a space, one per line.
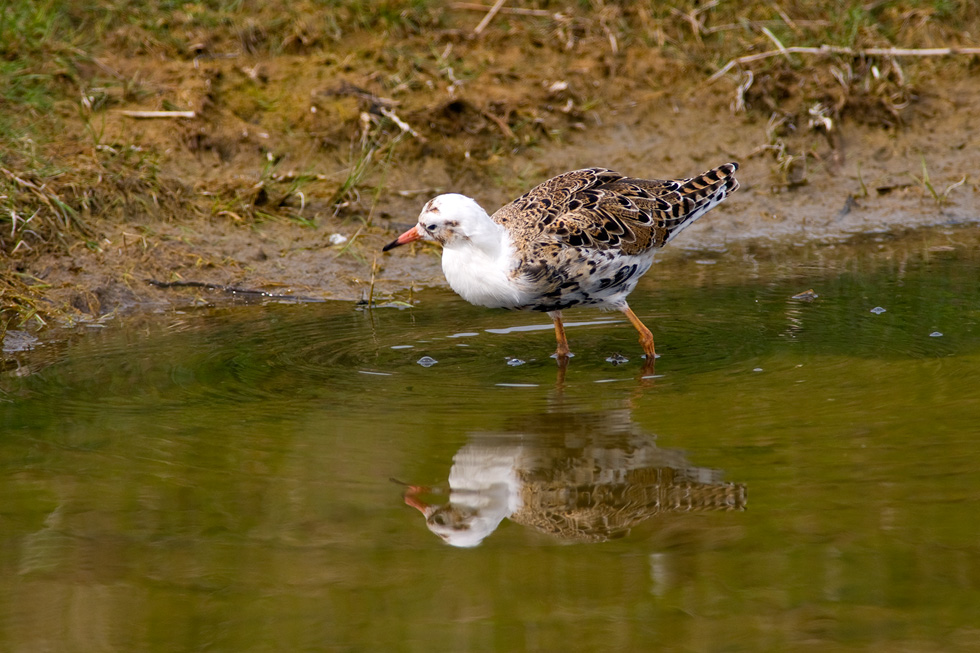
pixel 941 197
pixel 33 39
pixel 28 27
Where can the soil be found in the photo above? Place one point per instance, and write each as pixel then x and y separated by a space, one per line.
pixel 249 193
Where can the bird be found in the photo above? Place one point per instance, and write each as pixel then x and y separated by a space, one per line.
pixel 576 476
pixel 582 238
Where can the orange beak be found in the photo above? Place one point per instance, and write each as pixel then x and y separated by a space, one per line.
pixel 412 499
pixel 407 237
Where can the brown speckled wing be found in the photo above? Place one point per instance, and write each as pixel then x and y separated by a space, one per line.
pixel 585 237
pixel 599 209
pixel 541 205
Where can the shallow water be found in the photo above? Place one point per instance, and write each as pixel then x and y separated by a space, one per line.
pixel 792 474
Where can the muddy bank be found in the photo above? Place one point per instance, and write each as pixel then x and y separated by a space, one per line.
pixel 288 152
pixel 871 182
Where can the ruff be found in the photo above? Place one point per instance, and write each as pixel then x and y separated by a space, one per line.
pixel 583 238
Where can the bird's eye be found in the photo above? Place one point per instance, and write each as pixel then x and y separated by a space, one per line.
pixel 430 227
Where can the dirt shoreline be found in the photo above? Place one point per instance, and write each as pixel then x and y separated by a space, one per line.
pixel 300 162
pixel 662 139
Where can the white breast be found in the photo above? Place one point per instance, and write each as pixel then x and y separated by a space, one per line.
pixel 480 278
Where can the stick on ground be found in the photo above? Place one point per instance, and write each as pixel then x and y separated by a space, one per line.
pixel 826 50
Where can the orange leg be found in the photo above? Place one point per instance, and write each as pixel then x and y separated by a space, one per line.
pixel 646 338
pixel 562 351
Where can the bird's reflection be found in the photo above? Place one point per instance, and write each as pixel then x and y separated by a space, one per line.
pixel 580 478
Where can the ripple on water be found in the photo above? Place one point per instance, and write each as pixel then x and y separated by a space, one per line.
pixel 280 356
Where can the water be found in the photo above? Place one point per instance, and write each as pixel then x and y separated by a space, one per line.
pixel 793 474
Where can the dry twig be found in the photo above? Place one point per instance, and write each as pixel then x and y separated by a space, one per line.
pixel 231 290
pixel 159 114
pixel 516 11
pixel 489 17
pixel 826 50
pixel 501 125
pixel 727 27
pixel 404 126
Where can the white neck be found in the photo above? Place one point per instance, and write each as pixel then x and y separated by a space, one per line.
pixel 466 223
pixel 478 263
pixel 483 481
pixel 480 272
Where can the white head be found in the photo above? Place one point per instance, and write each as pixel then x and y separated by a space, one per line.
pixel 483 491
pixel 452 220
pixel 457 522
pixel 462 526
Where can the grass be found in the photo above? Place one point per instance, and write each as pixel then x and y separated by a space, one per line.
pixel 940 197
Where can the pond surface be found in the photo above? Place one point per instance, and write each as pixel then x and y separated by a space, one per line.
pixel 792 475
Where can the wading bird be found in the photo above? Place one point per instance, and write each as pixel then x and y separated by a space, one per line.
pixel 583 238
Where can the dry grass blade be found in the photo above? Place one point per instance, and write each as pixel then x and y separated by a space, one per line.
pixel 64 213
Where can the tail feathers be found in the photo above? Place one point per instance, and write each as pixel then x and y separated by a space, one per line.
pixel 707 184
pixel 700 194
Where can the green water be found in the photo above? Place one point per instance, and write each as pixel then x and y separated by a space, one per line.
pixel 793 476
